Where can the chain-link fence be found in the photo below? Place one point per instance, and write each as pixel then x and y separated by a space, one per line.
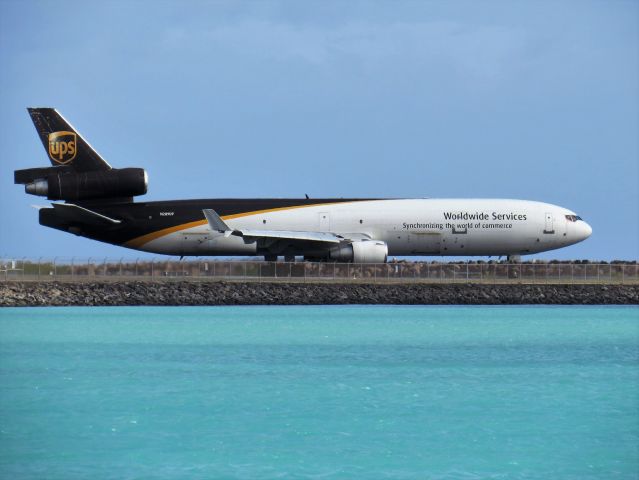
pixel 73 269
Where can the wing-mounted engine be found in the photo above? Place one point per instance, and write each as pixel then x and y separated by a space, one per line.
pixel 364 251
pixel 60 183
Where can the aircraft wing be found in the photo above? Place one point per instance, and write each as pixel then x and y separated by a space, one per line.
pixel 217 224
pixel 290 235
pixel 75 213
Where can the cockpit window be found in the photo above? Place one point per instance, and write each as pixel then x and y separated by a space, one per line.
pixel 573 218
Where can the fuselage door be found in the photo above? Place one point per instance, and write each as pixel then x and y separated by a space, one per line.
pixel 424 243
pixel 549 228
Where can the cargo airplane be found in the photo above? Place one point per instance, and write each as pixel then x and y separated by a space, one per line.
pixel 94 200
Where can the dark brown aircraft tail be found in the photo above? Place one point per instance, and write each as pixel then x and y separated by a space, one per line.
pixel 78 173
pixel 63 144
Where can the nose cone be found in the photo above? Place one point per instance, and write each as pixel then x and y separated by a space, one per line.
pixel 583 230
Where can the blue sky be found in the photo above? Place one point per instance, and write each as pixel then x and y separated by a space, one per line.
pixel 531 100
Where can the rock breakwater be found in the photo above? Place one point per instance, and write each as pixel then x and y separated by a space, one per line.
pixel 251 293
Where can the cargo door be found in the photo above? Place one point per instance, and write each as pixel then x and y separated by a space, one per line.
pixel 424 243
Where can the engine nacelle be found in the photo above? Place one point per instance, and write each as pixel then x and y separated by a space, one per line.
pixel 365 251
pixel 114 183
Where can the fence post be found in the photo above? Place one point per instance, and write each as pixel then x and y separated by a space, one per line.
pixel 559 272
pixel 520 279
pixel 546 275
pixel 572 273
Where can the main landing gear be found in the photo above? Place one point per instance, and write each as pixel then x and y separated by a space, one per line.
pixel 273 258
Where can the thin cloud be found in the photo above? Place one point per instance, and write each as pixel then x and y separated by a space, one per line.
pixel 485 52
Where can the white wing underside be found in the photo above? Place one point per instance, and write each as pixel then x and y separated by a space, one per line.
pixel 289 235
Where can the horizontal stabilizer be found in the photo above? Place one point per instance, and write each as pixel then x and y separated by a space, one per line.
pixel 75 213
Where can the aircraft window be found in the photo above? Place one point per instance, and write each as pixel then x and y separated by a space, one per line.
pixel 572 218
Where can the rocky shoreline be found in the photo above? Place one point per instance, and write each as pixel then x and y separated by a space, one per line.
pixel 14 294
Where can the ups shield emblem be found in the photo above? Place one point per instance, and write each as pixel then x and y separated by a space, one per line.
pixel 62 147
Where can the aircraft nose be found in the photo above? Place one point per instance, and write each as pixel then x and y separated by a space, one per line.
pixel 585 230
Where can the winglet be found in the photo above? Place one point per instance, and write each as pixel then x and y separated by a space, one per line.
pixel 216 223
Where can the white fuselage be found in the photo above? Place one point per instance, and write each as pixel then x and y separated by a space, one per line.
pixel 409 227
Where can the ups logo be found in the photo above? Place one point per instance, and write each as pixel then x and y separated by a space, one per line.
pixel 62 147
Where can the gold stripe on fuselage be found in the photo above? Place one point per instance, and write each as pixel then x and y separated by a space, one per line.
pixel 144 239
pixel 141 241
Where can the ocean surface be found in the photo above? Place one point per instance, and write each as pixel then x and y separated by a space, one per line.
pixel 369 392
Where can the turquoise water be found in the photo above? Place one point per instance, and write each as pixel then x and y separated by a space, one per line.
pixel 320 392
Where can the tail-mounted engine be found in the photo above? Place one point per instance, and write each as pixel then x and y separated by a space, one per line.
pixel 65 183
